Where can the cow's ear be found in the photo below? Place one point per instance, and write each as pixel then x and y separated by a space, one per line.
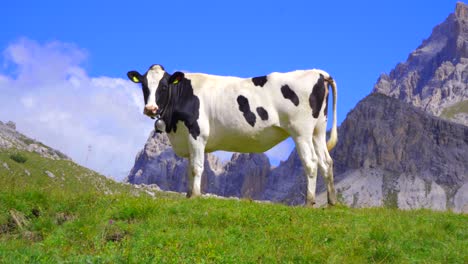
pixel 134 76
pixel 176 77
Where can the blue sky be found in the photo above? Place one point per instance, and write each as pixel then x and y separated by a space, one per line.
pixel 65 61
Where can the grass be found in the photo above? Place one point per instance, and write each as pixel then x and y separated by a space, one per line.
pixel 49 220
pixel 460 107
pixel 18 158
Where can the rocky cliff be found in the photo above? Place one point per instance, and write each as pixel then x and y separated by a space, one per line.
pixel 391 153
pixel 10 138
pixel 435 75
pixel 246 175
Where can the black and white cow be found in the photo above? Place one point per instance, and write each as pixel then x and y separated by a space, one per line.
pixel 205 113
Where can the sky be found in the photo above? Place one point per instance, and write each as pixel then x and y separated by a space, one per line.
pixel 63 64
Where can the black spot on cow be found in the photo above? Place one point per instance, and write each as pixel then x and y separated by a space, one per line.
pixel 262 113
pixel 259 81
pixel 177 102
pixel 290 94
pixel 317 95
pixel 244 107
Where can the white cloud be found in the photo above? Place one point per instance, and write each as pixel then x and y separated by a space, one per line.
pixel 52 98
pixel 28 101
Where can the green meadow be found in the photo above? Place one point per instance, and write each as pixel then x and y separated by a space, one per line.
pixel 74 215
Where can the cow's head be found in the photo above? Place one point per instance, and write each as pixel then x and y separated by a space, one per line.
pixel 154 84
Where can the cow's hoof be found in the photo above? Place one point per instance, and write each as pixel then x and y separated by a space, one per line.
pixel 310 204
pixel 193 195
pixel 332 200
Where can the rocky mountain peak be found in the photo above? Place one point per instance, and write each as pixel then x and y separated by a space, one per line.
pixel 435 75
pixel 11 138
pixel 11 125
pixel 461 11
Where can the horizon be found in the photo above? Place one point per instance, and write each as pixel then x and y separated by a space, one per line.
pixel 63 74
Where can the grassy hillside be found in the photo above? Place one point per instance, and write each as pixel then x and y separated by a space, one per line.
pixel 79 216
pixel 450 112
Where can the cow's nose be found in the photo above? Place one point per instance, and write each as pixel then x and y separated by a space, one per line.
pixel 151 109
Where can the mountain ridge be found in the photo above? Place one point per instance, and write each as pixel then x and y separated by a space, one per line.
pixel 11 138
pixel 435 75
pixel 404 147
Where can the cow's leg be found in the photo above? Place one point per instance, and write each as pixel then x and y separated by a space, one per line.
pixel 325 164
pixel 195 169
pixel 305 150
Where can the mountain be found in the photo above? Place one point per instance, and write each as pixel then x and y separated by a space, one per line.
pixel 10 138
pixel 435 75
pixel 391 153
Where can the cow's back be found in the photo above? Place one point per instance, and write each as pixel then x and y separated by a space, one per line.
pixel 237 114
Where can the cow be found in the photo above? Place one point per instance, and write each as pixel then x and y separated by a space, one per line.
pixel 205 113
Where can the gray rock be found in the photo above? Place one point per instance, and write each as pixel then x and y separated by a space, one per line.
pixel 415 192
pixel 435 75
pixel 361 188
pixel 50 174
pixel 415 152
pixel 43 151
pixel 461 199
pixel 244 176
pixel 286 183
pixel 373 188
pixel 11 125
pixel 10 138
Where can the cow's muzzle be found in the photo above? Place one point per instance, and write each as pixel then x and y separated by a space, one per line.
pixel 150 110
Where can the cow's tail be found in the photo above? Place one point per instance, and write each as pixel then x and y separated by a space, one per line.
pixel 331 143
